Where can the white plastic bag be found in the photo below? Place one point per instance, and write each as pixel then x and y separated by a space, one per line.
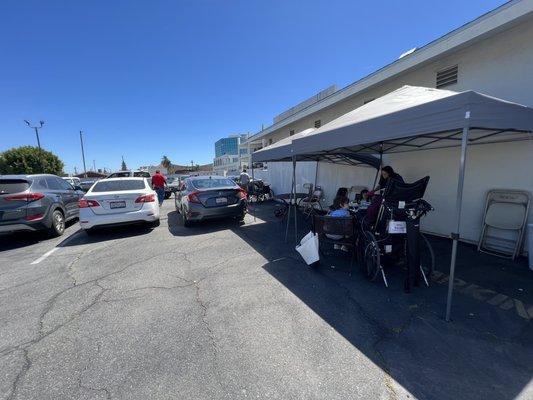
pixel 308 248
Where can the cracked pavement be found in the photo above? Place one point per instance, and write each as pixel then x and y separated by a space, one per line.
pixel 222 311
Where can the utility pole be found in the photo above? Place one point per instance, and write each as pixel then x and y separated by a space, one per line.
pixel 38 141
pixel 83 155
pixel 75 171
pixel 94 165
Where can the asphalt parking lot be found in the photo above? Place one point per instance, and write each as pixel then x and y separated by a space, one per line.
pixel 228 311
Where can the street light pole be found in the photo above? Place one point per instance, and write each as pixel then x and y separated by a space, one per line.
pixel 36 128
pixel 83 155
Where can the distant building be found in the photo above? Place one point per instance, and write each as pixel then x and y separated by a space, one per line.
pixel 227 155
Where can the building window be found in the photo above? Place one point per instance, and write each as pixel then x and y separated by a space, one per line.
pixel 291 132
pixel 447 76
pixel 318 123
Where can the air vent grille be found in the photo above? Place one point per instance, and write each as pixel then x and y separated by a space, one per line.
pixel 447 76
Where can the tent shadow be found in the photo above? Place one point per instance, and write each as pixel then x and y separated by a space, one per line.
pixel 483 353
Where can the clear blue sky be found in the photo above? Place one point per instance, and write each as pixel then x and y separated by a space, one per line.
pixel 147 78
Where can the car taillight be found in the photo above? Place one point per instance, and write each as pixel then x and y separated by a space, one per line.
pixel 193 197
pixel 147 198
pixel 83 203
pixel 25 197
pixel 241 194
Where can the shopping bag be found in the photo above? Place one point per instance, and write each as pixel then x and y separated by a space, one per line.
pixel 308 248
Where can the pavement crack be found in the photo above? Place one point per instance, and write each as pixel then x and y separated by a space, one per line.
pixel 23 371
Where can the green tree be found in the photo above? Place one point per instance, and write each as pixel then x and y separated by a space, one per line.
pixel 27 160
pixel 165 162
pixel 123 166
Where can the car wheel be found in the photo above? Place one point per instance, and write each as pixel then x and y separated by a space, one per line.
pixel 58 224
pixel 186 222
pixel 167 195
pixel 240 218
pixel 155 223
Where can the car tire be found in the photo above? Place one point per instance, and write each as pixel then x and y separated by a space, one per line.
pixel 57 227
pixel 155 223
pixel 240 218
pixel 167 195
pixel 186 222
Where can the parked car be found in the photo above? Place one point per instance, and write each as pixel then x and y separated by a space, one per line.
pixel 73 180
pixel 119 201
pixel 86 183
pixel 207 197
pixel 37 202
pixel 137 173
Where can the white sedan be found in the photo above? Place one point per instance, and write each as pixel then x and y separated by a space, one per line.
pixel 119 201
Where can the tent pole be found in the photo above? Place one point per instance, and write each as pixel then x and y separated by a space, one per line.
pixel 455 234
pixel 253 208
pixel 316 177
pixel 295 208
pixel 289 211
pixel 380 165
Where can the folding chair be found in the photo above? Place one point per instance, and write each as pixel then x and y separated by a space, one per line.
pixel 328 227
pixel 505 210
pixel 312 202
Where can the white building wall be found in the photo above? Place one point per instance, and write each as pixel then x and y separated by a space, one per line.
pixel 500 66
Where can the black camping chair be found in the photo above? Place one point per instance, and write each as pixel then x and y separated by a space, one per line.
pixel 396 232
pixel 326 226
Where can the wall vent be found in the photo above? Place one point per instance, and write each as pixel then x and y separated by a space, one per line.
pixel 447 76
pixel 318 123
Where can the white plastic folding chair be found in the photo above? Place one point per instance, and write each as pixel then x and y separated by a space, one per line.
pixel 505 210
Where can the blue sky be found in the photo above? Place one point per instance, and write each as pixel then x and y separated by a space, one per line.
pixel 147 78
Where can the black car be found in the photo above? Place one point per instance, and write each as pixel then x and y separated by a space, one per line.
pixel 37 202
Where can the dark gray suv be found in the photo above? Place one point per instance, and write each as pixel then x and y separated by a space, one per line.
pixel 37 202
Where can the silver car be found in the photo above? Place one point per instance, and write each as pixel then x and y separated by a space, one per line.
pixel 208 197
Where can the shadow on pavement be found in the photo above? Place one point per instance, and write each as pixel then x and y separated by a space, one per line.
pixel 12 241
pixel 176 228
pixel 484 353
pixel 104 234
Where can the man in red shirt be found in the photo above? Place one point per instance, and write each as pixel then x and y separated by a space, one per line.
pixel 158 183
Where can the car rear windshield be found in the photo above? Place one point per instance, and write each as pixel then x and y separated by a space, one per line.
pixel 8 186
pixel 117 186
pixel 212 183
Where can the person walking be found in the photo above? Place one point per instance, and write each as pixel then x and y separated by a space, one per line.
pixel 244 180
pixel 158 183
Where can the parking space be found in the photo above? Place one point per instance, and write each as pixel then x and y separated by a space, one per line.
pixel 228 310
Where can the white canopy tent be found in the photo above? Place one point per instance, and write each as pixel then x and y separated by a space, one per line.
pixel 418 118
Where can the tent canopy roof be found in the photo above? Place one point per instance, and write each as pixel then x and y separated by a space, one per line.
pixel 413 118
pixel 283 151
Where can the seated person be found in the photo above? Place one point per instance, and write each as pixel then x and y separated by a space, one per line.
pixel 364 201
pixel 339 209
pixel 341 192
pixel 387 173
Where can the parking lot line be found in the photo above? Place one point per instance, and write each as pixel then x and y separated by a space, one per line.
pixel 44 256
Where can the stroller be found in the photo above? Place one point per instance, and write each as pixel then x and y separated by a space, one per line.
pixel 395 235
pixel 259 191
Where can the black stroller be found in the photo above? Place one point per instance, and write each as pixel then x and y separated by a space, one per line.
pixel 259 191
pixel 395 235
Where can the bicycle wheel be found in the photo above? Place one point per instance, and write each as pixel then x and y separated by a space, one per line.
pixel 372 257
pixel 427 256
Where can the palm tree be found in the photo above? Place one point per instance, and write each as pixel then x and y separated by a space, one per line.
pixel 165 162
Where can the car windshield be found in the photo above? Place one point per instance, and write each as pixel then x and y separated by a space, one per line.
pixel 118 186
pixel 8 186
pixel 124 174
pixel 212 183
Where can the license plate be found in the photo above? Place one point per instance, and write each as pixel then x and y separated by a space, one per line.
pixel 397 227
pixel 221 200
pixel 117 204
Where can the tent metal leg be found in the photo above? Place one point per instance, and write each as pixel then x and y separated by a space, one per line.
pixel 455 234
pixel 295 206
pixel 253 208
pixel 380 165
pixel 290 206
pixel 316 176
